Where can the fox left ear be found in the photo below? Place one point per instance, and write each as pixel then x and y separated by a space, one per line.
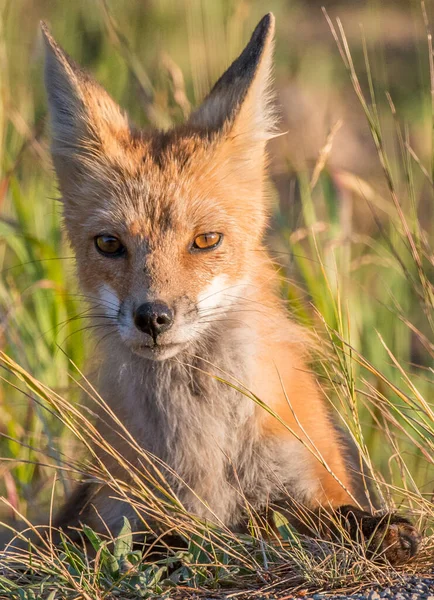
pixel 85 121
pixel 240 103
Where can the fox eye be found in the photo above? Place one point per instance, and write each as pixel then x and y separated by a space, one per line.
pixel 109 245
pixel 207 241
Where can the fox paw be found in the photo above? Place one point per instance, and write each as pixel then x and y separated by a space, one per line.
pixel 396 539
pixel 389 536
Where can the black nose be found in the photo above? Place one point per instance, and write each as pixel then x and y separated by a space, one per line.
pixel 153 318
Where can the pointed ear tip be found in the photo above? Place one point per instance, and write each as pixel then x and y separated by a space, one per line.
pixel 44 29
pixel 50 42
pixel 267 25
pixel 270 19
pixel 263 35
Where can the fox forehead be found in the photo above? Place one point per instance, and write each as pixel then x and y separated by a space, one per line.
pixel 147 193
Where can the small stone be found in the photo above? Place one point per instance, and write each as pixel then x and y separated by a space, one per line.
pixel 374 596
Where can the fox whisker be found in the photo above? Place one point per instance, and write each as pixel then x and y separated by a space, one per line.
pixel 223 291
pixel 97 299
pixel 89 328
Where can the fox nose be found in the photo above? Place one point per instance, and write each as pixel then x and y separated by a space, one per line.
pixel 153 318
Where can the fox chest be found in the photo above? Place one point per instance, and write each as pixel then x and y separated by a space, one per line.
pixel 223 474
pixel 218 461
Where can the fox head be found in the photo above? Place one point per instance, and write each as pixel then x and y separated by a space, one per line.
pixel 164 225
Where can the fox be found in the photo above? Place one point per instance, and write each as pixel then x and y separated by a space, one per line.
pixel 167 228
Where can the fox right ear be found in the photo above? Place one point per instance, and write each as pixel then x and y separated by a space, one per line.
pixel 241 100
pixel 84 118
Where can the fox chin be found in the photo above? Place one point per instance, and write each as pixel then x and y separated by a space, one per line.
pixel 167 229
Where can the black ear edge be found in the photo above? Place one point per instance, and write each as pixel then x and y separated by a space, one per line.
pixel 236 81
pixel 245 66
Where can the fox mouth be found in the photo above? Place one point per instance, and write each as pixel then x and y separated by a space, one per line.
pixel 157 351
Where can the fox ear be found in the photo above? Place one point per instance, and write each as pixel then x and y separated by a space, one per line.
pixel 241 98
pixel 84 118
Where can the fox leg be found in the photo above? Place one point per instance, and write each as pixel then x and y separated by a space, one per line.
pixel 73 512
pixel 91 504
pixel 389 535
pixel 329 511
pixel 96 506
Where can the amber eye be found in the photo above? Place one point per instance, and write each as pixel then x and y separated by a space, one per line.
pixel 109 245
pixel 207 241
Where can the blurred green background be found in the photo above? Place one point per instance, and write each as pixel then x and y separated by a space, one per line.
pixel 336 235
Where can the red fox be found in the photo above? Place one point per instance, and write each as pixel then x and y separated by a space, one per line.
pixel 167 228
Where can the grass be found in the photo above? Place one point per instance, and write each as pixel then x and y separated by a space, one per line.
pixel 354 249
